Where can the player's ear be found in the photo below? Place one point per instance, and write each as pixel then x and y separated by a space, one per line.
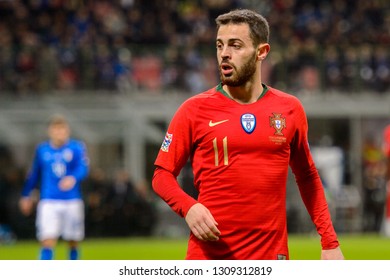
pixel 262 51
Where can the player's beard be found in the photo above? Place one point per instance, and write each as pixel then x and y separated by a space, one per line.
pixel 242 75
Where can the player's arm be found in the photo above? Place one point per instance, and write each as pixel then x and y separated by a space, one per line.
pixel 165 185
pixel 311 188
pixel 173 154
pixel 198 217
pixel 33 176
pixel 80 171
pixel 332 254
pixel 202 223
pixel 81 164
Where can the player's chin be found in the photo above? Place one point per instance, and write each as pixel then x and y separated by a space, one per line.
pixel 65 189
pixel 226 78
pixel 231 82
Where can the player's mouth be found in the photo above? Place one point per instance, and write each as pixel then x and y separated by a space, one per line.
pixel 226 69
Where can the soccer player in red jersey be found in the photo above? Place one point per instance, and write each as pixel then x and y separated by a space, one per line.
pixel 386 150
pixel 241 138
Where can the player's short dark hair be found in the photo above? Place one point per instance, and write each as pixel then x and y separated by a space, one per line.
pixel 258 25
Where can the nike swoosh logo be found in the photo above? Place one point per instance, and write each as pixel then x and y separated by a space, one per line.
pixel 211 123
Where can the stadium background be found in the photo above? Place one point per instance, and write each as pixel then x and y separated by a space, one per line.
pixel 119 69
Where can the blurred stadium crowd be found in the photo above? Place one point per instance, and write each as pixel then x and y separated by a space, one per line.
pixel 160 46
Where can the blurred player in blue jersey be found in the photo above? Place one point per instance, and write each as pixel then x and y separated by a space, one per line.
pixel 59 166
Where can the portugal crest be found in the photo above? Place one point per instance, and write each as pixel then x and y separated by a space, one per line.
pixel 248 122
pixel 278 122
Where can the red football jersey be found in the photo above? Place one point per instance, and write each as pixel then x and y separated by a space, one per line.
pixel 386 141
pixel 386 150
pixel 240 155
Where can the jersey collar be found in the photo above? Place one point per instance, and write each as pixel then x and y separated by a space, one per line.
pixel 221 90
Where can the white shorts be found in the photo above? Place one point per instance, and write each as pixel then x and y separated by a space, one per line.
pixel 60 218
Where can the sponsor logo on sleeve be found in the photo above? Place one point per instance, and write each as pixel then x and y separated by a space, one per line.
pixel 167 142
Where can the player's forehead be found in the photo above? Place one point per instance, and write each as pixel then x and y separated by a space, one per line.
pixel 59 128
pixel 234 31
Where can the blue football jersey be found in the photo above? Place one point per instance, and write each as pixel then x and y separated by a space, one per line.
pixel 51 164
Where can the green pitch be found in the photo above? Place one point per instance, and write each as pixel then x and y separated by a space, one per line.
pixel 302 247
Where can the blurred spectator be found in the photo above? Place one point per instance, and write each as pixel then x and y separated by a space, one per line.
pixel 147 72
pixel 350 69
pixel 12 223
pixel 95 192
pixel 117 207
pixel 382 69
pixel 366 66
pixel 4 185
pixel 128 210
pixel 333 68
pixel 374 185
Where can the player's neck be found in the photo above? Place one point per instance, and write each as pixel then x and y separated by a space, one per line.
pixel 57 143
pixel 246 94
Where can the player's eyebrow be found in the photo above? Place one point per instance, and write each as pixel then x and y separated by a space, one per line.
pixel 231 40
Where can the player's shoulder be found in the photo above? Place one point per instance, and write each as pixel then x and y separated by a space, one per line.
pixel 283 97
pixel 204 96
pixel 282 94
pixel 76 143
pixel 197 100
pixel 43 145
